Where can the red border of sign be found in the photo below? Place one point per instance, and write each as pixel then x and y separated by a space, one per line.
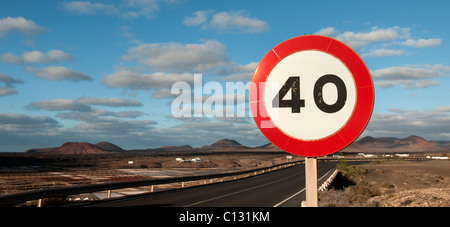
pixel 364 96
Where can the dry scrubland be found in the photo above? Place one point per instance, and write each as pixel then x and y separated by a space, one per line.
pixel 390 184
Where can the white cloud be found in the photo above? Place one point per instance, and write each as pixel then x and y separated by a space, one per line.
pixel 89 8
pixel 197 18
pixel 410 77
pixel 18 129
pixel 377 39
pixel 140 81
pixel 34 56
pixel 241 72
pixel 93 115
pixel 58 73
pixel 427 71
pixel 20 25
pixel 83 105
pixel 328 31
pixel 115 127
pixel 9 83
pixel 176 57
pixel 11 58
pixel 136 8
pixel 360 39
pixel 408 84
pixel 382 53
pixel 422 43
pixel 98 121
pixel 113 102
pixel 128 114
pixel 20 132
pixel 231 21
pixel 443 109
pixel 199 133
pixel 50 56
pixel 19 122
pixel 8 80
pixel 163 93
pixel 238 21
pixel 59 104
pixel 124 8
pixel 428 124
pixel 4 91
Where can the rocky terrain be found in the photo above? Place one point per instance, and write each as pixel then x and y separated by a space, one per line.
pixel 391 184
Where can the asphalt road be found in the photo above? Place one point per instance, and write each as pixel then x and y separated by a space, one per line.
pixel 282 188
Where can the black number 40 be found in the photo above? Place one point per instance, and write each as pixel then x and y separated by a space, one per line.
pixel 293 84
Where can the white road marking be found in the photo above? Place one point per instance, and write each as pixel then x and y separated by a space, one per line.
pixel 233 193
pixel 290 197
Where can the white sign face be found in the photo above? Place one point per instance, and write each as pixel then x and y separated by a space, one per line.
pixel 310 95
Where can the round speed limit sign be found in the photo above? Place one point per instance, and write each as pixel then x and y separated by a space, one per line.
pixel 311 95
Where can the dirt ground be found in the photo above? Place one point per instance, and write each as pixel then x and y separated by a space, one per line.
pixel 392 184
pixel 24 172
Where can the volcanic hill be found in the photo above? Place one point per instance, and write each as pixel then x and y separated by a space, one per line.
pixel 225 144
pixel 78 148
pixel 107 146
pixel 392 144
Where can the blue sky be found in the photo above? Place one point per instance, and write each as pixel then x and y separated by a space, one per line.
pixel 102 70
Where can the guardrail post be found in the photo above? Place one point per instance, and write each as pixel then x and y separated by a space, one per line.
pixel 108 194
pixel 39 203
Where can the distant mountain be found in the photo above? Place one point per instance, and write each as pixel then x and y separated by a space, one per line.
pixel 78 148
pixel 409 144
pixel 441 142
pixel 270 147
pixel 183 147
pixel 107 146
pixel 377 142
pixel 419 143
pixel 225 144
pixel 384 145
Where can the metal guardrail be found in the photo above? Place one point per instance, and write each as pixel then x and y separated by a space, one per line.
pixel 74 190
